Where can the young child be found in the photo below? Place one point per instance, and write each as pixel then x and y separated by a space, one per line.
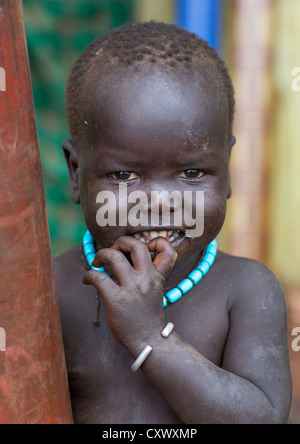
pixel 150 108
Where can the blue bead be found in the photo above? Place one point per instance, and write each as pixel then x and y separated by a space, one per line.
pixel 212 248
pixel 89 248
pixel 213 252
pixel 173 295
pixel 165 302
pixel 195 276
pixel 185 285
pixel 209 258
pixel 214 243
pixel 87 238
pixel 90 257
pixel 204 267
pixel 99 269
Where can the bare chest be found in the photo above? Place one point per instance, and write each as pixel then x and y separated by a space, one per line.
pixel 103 388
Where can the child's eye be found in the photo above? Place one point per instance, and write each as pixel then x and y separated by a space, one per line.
pixel 123 175
pixel 191 174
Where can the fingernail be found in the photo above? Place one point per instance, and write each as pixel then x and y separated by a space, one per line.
pixel 85 281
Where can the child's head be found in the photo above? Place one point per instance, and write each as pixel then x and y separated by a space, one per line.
pixel 137 46
pixel 150 106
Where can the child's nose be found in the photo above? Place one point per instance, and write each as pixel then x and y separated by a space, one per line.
pixel 164 204
pixel 164 199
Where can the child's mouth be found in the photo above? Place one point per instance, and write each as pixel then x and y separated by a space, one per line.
pixel 175 237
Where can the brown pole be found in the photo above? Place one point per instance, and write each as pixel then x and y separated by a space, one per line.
pixel 33 380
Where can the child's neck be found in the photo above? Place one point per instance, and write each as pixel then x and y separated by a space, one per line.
pixel 182 269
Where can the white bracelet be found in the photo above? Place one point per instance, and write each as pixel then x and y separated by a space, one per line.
pixel 148 349
pixel 141 358
pixel 167 330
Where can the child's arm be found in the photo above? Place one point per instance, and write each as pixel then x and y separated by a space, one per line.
pixel 253 385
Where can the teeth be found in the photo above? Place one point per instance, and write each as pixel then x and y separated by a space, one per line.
pixel 154 234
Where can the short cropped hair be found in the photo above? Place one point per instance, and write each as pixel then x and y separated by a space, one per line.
pixel 136 45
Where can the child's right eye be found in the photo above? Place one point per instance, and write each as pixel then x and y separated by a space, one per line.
pixel 123 175
pixel 191 174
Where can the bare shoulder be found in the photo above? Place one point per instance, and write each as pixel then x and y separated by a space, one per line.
pixel 251 283
pixel 68 266
pixel 67 262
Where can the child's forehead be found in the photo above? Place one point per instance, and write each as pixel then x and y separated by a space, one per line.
pixel 154 104
pixel 157 85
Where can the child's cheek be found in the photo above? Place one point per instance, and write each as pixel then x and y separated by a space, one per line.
pixel 214 214
pixel 117 210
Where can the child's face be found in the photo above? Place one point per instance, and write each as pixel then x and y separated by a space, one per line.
pixel 155 133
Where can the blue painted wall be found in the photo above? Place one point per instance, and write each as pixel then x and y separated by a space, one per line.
pixel 204 18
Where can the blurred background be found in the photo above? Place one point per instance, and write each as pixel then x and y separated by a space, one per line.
pixel 259 40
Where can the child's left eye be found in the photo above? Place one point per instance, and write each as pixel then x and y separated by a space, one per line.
pixel 123 175
pixel 191 174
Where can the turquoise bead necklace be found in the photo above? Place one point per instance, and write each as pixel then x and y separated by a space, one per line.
pixel 177 292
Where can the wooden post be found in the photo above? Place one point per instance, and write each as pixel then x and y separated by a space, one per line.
pixel 33 380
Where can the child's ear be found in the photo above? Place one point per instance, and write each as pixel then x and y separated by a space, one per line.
pixel 72 162
pixel 231 143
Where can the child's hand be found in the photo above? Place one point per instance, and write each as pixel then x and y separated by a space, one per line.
pixel 134 301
